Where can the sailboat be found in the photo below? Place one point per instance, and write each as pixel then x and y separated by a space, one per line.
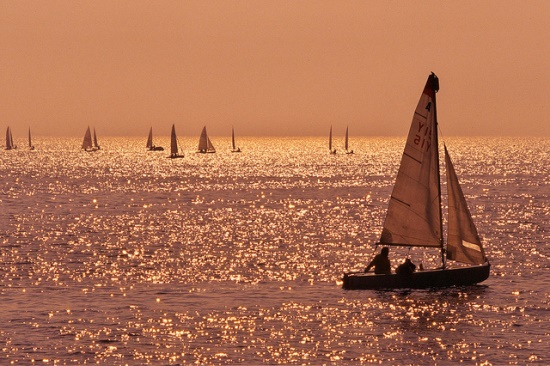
pixel 205 145
pixel 88 144
pixel 150 145
pixel 174 153
pixel 333 152
pixel 31 147
pixel 346 143
pixel 235 149
pixel 414 217
pixel 96 145
pixel 9 140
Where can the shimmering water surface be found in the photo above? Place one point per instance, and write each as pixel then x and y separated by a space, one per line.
pixel 123 256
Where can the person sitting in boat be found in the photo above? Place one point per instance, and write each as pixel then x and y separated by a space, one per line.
pixel 381 262
pixel 406 268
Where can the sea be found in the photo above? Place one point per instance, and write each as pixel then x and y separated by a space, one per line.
pixel 125 257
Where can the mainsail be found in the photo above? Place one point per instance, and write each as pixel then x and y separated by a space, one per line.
pixel 150 139
pixel 233 138
pixel 346 141
pixel 87 143
pixel 173 142
pixel 414 211
pixel 9 140
pixel 463 243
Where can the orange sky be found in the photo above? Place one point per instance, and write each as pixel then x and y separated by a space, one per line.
pixel 272 67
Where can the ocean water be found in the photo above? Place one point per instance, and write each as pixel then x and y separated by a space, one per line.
pixel 123 256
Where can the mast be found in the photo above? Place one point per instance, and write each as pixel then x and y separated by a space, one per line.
pixel 346 143
pixel 30 144
pixel 330 139
pixel 435 87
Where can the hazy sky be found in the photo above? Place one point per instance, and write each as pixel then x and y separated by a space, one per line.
pixel 272 67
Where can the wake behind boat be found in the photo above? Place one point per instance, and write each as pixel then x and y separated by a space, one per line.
pixel 414 217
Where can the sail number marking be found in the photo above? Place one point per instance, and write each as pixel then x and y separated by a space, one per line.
pixel 423 137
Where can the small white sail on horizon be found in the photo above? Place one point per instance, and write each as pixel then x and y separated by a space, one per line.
pixel 346 142
pixel 88 144
pixel 96 145
pixel 205 145
pixel 174 152
pixel 233 144
pixel 330 142
pixel 30 140
pixel 150 145
pixel 9 140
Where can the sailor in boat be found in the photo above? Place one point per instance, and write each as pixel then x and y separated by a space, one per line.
pixel 381 262
pixel 406 268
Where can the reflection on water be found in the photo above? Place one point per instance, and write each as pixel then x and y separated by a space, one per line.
pixel 125 256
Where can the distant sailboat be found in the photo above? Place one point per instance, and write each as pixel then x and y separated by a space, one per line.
pixel 346 143
pixel 174 153
pixel 414 217
pixel 235 148
pixel 88 144
pixel 30 141
pixel 150 145
pixel 333 152
pixel 9 140
pixel 205 145
pixel 96 145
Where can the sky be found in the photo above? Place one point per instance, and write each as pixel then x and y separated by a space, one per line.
pixel 273 68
